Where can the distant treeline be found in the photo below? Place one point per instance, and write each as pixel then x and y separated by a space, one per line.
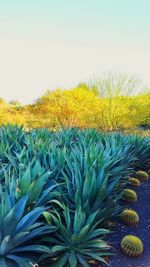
pixel 108 105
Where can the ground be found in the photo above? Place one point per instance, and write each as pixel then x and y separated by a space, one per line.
pixel 142 230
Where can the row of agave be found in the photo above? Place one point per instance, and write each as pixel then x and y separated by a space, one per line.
pixel 58 191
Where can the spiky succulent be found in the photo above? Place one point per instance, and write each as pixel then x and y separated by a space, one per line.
pixel 132 246
pixel 77 239
pixel 142 175
pixel 134 181
pixel 18 232
pixel 130 195
pixel 32 181
pixel 129 216
pixel 89 169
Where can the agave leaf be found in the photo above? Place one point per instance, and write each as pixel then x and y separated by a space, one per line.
pixel 6 245
pixel 25 181
pixel 79 219
pixel 97 232
pixel 26 236
pixel 33 248
pixel 20 261
pixel 58 248
pixel 41 199
pixel 14 216
pixel 29 219
pixel 103 190
pixel 73 259
pixel 86 187
pixel 95 256
pixel 83 232
pixel 3 262
pixel 36 190
pixel 97 243
pixel 61 261
pixel 67 217
pixel 48 217
pixel 82 261
pixel 92 217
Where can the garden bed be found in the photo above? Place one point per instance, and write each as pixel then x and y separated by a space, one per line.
pixel 142 230
pixel 61 191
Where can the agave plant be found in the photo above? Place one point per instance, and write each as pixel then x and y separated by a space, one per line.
pixel 84 169
pixel 33 182
pixel 95 178
pixel 141 147
pixel 77 240
pixel 18 232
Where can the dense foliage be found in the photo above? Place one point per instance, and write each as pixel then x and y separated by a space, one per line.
pixel 108 104
pixel 59 190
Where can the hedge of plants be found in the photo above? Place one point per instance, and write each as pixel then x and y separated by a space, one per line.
pixel 59 190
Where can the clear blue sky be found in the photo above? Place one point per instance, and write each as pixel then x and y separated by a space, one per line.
pixel 51 43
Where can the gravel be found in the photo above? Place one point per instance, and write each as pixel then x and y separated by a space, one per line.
pixel 142 230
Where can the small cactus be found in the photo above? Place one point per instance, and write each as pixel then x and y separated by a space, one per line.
pixel 132 246
pixel 129 217
pixel 130 195
pixel 134 181
pixel 142 176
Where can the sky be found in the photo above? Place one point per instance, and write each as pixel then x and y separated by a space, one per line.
pixel 46 44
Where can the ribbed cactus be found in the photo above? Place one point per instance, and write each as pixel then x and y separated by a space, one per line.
pixel 134 181
pixel 142 176
pixel 132 246
pixel 130 195
pixel 129 217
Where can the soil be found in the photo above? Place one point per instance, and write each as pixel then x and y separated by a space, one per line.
pixel 141 230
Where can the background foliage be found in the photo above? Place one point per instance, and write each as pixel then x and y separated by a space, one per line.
pixel 107 104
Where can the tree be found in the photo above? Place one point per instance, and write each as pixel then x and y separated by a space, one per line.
pixel 15 103
pixel 115 90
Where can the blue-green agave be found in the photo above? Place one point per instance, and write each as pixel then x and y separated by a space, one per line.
pixel 77 240
pixel 19 230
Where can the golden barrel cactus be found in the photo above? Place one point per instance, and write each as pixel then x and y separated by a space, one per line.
pixel 142 176
pixel 130 195
pixel 129 217
pixel 134 181
pixel 132 246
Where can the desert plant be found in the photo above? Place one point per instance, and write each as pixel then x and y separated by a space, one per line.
pixel 77 240
pixel 32 181
pixel 134 181
pixel 84 169
pixel 129 216
pixel 132 246
pixel 18 231
pixel 142 175
pixel 130 195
